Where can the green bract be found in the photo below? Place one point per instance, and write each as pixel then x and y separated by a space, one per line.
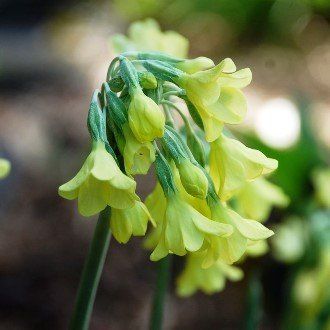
pixel 99 183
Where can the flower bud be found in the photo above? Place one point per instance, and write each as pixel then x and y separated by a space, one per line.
pixel 193 179
pixel 195 65
pixel 146 119
pixel 147 80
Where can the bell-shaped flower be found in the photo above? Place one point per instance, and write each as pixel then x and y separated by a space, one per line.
pixel 230 249
pixel 184 229
pixel 193 179
pixel 145 117
pixel 99 183
pixel 232 165
pixel 194 65
pixel 256 199
pixel 215 94
pixel 131 221
pixel 138 156
pixel 210 280
pixel 4 168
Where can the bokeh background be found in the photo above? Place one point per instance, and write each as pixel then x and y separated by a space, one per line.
pixel 52 55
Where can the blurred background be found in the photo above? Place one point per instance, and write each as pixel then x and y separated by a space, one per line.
pixel 54 53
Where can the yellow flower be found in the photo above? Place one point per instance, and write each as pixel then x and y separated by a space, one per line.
pixel 99 183
pixel 232 165
pixel 210 280
pixel 215 94
pixel 184 229
pixel 131 221
pixel 194 65
pixel 256 199
pixel 146 119
pixel 146 36
pixel 137 156
pixel 230 249
pixel 4 168
pixel 193 179
pixel 321 181
pixel 156 204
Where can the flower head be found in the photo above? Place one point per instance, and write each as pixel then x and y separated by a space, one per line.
pixel 4 168
pixel 138 156
pixel 210 280
pixel 232 165
pixel 184 229
pixel 230 249
pixel 256 199
pixel 99 183
pixel 131 221
pixel 146 119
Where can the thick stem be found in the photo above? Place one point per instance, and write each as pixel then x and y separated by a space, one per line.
pixel 91 273
pixel 163 276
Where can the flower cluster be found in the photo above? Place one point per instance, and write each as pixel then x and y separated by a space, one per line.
pixel 131 125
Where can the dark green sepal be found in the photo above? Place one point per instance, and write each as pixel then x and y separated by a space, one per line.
pixel 162 70
pixel 117 84
pixel 194 114
pixel 95 119
pixel 164 174
pixel 116 109
pixel 158 56
pixel 174 146
pixel 128 73
pixel 196 147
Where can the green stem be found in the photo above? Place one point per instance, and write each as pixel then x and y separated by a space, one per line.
pixel 91 273
pixel 163 276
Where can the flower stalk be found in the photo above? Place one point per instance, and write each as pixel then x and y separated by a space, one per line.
pixel 162 281
pixel 92 273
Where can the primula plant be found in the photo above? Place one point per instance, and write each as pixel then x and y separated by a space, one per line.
pixel 131 126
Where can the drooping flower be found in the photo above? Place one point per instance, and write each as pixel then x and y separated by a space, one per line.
pixel 4 168
pixel 146 119
pixel 230 249
pixel 232 165
pixel 215 94
pixel 184 229
pixel 210 280
pixel 138 156
pixel 256 199
pixel 130 221
pixel 99 183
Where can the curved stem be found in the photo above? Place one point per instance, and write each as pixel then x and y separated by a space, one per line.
pixel 92 273
pixel 163 276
